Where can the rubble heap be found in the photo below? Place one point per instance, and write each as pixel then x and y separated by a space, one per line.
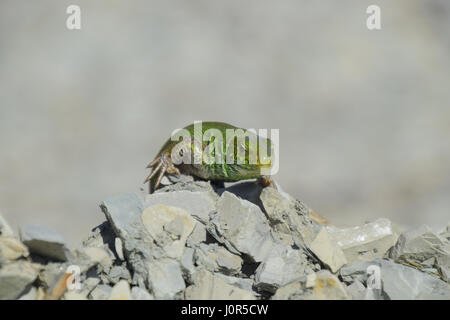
pixel 194 240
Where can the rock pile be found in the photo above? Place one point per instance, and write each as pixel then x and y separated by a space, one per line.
pixel 195 240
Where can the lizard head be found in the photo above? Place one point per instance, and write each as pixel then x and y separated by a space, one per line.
pixel 252 156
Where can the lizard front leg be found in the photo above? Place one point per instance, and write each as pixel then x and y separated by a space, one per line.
pixel 161 165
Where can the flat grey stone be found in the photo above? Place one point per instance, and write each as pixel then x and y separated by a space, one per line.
pixel 422 247
pixel 187 265
pixel 247 190
pixel 170 179
pixel 198 235
pixel 188 186
pixel 168 228
pixel 208 286
pixel 357 271
pixel 15 279
pixel 30 295
pixel 88 285
pixel 101 236
pixel 101 292
pixel 328 251
pixel 357 290
pixel 165 279
pixel 199 204
pixel 216 258
pixel 123 213
pixel 52 273
pixel 243 283
pixel 400 282
pixel 121 291
pixel 322 285
pixel 283 266
pixel 288 217
pixel 44 241
pixel 118 273
pixel 396 280
pixel 98 255
pixel 242 227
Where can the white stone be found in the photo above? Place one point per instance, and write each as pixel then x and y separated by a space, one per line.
pixel 169 227
pixel 12 249
pixel 367 242
pixel 98 255
pixel 121 291
pixel 328 251
pixel 119 248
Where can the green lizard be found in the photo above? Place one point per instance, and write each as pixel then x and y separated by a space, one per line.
pixel 240 158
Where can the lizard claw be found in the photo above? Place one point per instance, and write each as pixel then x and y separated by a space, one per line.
pixel 161 165
pixel 267 181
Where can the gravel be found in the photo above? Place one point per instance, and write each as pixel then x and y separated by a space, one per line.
pixel 192 240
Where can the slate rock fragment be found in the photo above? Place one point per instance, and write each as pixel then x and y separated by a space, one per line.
pixel 322 285
pixel 366 242
pixel 16 279
pixel 200 204
pixel 207 286
pixel 423 249
pixel 242 227
pixel 44 241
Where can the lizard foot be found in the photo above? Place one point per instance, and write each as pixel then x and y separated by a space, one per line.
pixel 267 181
pixel 161 165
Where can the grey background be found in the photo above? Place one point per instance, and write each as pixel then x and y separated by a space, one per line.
pixel 363 115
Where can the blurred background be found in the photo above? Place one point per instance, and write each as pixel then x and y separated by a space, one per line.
pixel 364 116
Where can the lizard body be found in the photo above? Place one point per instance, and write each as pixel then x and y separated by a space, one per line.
pixel 178 155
